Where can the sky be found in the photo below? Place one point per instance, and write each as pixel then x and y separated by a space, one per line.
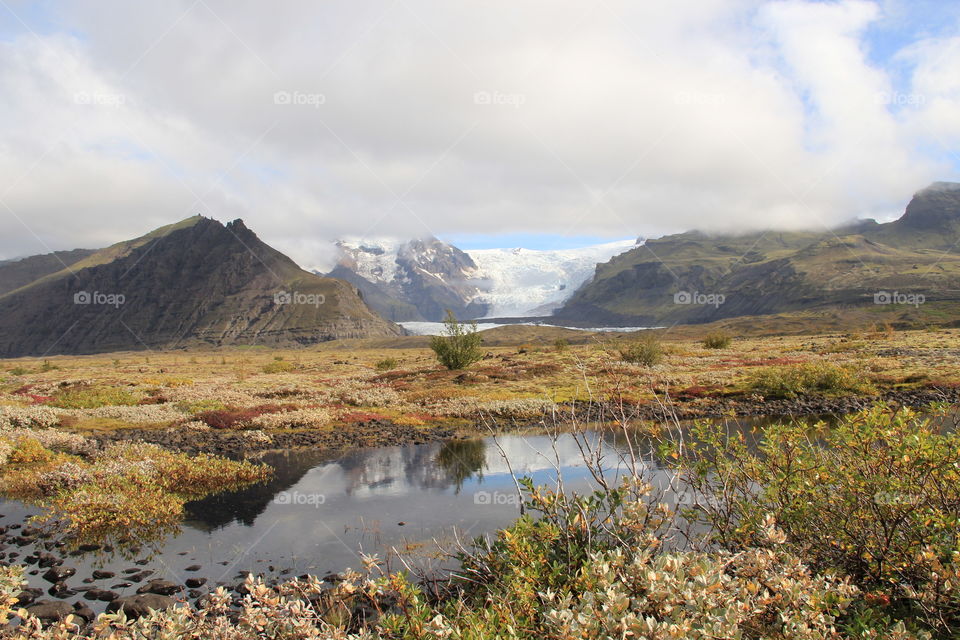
pixel 540 123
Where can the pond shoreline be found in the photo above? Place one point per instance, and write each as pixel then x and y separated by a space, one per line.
pixel 383 433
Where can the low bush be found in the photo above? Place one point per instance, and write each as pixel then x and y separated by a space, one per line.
pixel 717 340
pixel 84 396
pixel 647 351
pixel 875 498
pixel 232 418
pixel 386 364
pixel 278 366
pixel 803 379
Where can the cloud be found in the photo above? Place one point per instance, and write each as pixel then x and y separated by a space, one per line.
pixel 316 120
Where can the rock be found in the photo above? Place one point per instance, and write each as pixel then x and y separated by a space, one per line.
pixel 193 583
pixel 83 611
pixel 102 575
pixel 27 596
pixel 161 587
pixel 140 605
pixel 50 611
pixel 193 567
pixel 61 590
pixel 45 560
pixel 140 577
pixel 58 574
pixel 121 585
pixel 101 594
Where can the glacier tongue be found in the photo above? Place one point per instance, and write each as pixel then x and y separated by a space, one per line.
pixel 526 282
pixel 496 283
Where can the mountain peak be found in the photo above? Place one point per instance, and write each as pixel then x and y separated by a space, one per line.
pixel 934 207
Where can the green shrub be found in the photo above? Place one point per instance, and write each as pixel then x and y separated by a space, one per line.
pixel 810 377
pixel 717 340
pixel 647 351
pixel 458 347
pixel 875 498
pixel 278 366
pixel 84 396
pixel 386 364
pixel 560 345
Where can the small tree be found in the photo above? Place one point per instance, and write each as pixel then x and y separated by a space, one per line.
pixel 459 346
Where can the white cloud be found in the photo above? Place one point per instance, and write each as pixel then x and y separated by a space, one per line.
pixel 613 118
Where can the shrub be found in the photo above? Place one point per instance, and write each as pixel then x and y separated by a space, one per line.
pixel 876 498
pixel 458 347
pixel 29 451
pixel 560 345
pixel 647 351
pixel 278 366
pixel 236 418
pixel 812 377
pixel 386 364
pixel 84 396
pixel 717 340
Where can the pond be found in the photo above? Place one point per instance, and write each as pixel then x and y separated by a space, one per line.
pixel 319 512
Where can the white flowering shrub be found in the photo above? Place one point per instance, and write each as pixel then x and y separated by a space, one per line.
pixel 31 417
pixel 140 414
pixel 313 418
pixel 516 408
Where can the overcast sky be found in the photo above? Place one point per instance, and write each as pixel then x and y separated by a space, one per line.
pixel 494 122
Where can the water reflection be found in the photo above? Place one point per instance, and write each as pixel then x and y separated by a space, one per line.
pixel 317 512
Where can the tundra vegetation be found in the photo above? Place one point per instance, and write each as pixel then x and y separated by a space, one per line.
pixel 831 530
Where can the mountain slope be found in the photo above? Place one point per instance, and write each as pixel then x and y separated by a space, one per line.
pixel 693 277
pixel 197 282
pixel 18 273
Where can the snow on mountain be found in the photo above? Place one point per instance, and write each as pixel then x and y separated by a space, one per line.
pixel 526 282
pixel 430 276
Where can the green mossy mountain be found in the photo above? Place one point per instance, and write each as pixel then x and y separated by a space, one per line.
pixel 780 271
pixel 192 283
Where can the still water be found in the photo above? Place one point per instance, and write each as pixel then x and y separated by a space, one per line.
pixel 319 513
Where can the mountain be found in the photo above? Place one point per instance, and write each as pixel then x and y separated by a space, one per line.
pixel 415 280
pixel 694 277
pixel 419 279
pixel 195 282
